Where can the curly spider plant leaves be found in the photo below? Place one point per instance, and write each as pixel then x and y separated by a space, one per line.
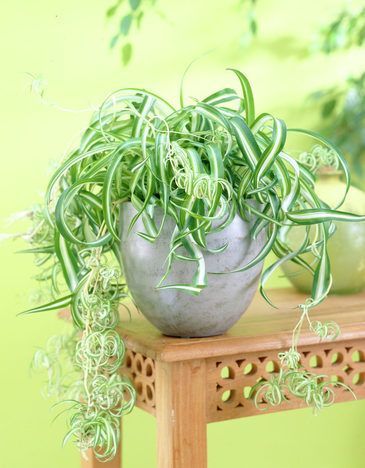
pixel 338 154
pixel 108 185
pixel 65 200
pixel 248 99
pixel 201 165
pixel 313 389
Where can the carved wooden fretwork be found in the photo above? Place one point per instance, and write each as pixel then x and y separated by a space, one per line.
pixel 187 383
pixel 230 378
pixel 141 372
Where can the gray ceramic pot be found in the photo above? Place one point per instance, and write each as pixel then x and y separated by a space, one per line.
pixel 177 313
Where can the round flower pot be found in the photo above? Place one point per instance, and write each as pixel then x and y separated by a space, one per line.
pixel 172 311
pixel 346 248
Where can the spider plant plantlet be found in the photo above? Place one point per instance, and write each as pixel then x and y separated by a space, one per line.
pixel 199 166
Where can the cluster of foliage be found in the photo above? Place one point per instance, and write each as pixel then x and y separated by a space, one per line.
pixel 342 106
pixel 250 19
pixel 319 157
pixel 345 31
pixel 57 361
pixel 132 13
pixel 201 164
pixel 293 379
pixel 82 368
pixel 132 17
pixel 342 110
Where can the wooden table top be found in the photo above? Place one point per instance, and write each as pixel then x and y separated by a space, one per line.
pixel 260 328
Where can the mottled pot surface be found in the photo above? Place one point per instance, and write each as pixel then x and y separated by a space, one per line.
pixel 175 312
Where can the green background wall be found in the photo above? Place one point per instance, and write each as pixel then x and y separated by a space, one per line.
pixel 67 43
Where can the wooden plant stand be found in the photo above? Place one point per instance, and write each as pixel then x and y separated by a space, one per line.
pixel 187 383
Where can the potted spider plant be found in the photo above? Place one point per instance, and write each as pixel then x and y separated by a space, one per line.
pixel 177 208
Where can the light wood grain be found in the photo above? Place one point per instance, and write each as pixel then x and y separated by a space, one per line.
pixel 181 414
pixel 90 461
pixel 183 382
pixel 230 378
pixel 261 328
pixel 141 371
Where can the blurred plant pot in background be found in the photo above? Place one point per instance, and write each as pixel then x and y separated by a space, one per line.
pixel 346 248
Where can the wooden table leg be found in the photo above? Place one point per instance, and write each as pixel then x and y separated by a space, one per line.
pixel 181 414
pixel 93 462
